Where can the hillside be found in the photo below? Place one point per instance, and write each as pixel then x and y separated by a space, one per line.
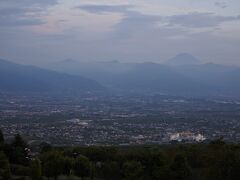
pixel 16 77
pixel 182 75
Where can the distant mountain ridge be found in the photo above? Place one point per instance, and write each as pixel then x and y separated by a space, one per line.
pixel 16 77
pixel 184 74
pixel 184 79
pixel 183 59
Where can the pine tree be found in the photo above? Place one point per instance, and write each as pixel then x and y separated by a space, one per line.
pixel 1 137
pixel 36 169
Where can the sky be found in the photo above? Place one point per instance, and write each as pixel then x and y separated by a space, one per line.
pixel 47 31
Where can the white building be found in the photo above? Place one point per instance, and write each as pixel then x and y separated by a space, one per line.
pixel 187 136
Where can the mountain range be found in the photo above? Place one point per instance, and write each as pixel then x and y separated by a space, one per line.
pixel 183 74
pixel 180 75
pixel 21 78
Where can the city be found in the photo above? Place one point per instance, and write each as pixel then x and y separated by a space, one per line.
pixel 118 119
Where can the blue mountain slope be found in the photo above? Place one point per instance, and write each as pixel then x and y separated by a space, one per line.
pixel 15 77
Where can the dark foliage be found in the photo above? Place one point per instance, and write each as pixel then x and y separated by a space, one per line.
pixel 214 161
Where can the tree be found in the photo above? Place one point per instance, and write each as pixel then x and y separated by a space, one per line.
pixel 132 170
pixel 36 169
pixel 19 142
pixel 20 170
pixel 67 165
pixel 19 151
pixel 196 156
pixel 227 166
pixel 155 164
pixel 1 137
pixel 180 169
pixel 111 169
pixel 82 166
pixel 53 163
pixel 4 167
pixel 44 147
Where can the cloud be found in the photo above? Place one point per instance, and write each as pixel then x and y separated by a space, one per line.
pixel 132 21
pixel 28 3
pixel 11 11
pixel 19 22
pixel 199 20
pixel 105 8
pixel 22 13
pixel 221 4
pixel 135 22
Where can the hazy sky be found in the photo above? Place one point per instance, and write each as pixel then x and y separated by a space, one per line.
pixel 42 31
